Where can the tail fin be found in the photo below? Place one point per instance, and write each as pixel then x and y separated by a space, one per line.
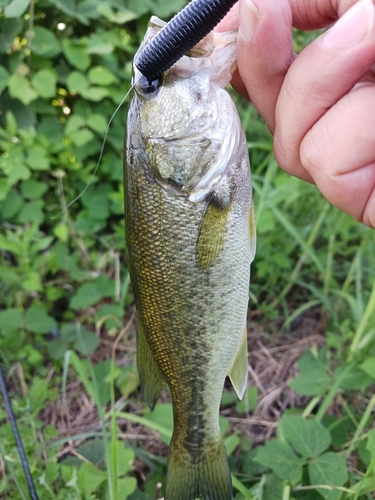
pixel 206 476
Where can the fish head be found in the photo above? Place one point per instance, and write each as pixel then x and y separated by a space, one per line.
pixel 180 115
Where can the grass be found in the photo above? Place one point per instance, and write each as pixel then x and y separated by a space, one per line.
pixel 65 296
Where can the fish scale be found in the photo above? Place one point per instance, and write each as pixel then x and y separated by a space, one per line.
pixel 189 248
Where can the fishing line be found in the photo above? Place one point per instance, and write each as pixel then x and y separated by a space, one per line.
pixel 17 437
pixel 101 151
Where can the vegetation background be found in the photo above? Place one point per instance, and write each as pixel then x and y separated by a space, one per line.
pixel 66 307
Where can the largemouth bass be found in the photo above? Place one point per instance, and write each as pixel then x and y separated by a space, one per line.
pixel 190 237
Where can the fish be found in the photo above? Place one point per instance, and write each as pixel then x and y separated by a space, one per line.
pixel 190 240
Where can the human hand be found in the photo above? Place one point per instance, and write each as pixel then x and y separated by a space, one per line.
pixel 319 105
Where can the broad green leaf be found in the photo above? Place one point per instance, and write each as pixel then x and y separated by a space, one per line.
pixel 308 437
pixel 32 212
pixel 86 342
pixel 125 458
pixel 45 83
pixel 37 158
pixel 77 82
pixel 16 8
pixel 119 17
pixel 11 205
pixel 356 379
pixel 248 401
pixel 32 282
pixel 73 124
pixel 82 137
pixel 87 295
pixel 266 221
pixel 368 366
pixel 44 42
pixel 76 54
pixel 311 384
pixel 328 469
pixel 279 457
pixel 95 93
pixel 69 7
pixel 126 486
pixel 162 415
pixel 98 123
pixel 99 75
pixel 33 189
pixel 98 207
pixel 38 321
pixel 4 77
pixel 11 320
pixel 10 28
pixel 90 478
pixel 20 88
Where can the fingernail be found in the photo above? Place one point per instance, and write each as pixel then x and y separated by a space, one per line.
pixel 353 27
pixel 248 19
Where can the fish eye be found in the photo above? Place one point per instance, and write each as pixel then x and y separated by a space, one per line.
pixel 147 87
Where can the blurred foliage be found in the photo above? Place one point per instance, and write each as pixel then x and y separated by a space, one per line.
pixel 65 67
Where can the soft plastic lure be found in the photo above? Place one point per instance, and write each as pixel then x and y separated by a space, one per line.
pixel 185 30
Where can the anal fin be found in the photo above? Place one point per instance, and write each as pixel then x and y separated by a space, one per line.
pixel 238 371
pixel 151 379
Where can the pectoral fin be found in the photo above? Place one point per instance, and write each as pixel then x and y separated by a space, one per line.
pixel 151 380
pixel 238 370
pixel 212 234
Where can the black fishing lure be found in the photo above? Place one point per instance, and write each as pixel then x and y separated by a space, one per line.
pixel 185 30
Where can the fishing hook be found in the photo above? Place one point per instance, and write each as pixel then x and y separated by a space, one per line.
pixel 183 31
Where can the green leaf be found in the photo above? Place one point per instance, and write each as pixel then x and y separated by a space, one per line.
pixel 37 158
pixel 86 342
pixel 87 295
pixel 249 400
pixel 308 437
pixel 95 93
pixel 33 189
pixel 44 43
pixel 10 29
pixel 98 123
pixel 328 469
pixel 45 83
pixel 16 8
pixel 76 54
pixel 99 75
pixel 119 17
pixel 11 320
pixel 20 88
pixel 163 415
pixel 73 124
pixel 11 205
pixel 126 486
pixel 314 379
pixel 311 384
pixel 90 478
pixel 356 379
pixel 82 137
pixel 32 212
pixel 69 8
pixel 279 457
pixel 77 82
pixel 125 459
pixel 32 282
pixel 4 77
pixel 38 321
pixel 368 366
